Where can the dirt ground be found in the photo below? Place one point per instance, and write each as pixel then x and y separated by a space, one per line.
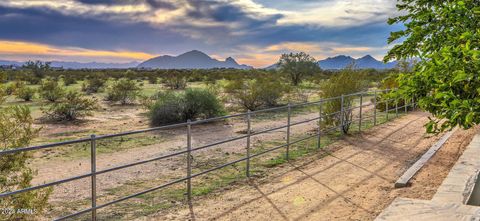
pixel 354 182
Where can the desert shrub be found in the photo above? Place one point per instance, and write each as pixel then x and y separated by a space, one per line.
pixel 16 130
pixel 346 82
pixel 72 107
pixel 174 107
pixel 51 90
pixel 299 95
pixel 3 94
pixel 68 79
pixel 10 88
pixel 24 92
pixel 36 71
pixel 93 84
pixel 123 90
pixel 201 103
pixel 253 94
pixel 167 109
pixel 152 79
pixel 392 98
pixel 175 80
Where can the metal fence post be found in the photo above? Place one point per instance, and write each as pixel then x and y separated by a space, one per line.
pixel 189 160
pixel 396 107
pixel 405 104
pixel 342 114
pixel 386 110
pixel 248 142
pixel 360 117
pixel 93 168
pixel 288 130
pixel 319 125
pixel 375 108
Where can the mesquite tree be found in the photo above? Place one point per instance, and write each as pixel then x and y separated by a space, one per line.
pixel 445 36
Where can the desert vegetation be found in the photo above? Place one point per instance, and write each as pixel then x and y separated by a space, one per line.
pixel 70 104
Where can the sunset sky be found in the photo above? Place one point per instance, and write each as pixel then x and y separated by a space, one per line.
pixel 254 32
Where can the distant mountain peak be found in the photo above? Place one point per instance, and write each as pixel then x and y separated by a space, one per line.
pixel 367 57
pixel 194 59
pixel 231 61
pixel 342 61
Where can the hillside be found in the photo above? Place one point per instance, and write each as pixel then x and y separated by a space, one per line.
pixel 190 60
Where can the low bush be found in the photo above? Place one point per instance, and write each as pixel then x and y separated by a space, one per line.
pixel 123 90
pixel 24 92
pixel 93 84
pixel 174 107
pixel 253 94
pixel 346 82
pixel 51 90
pixel 72 107
pixel 167 109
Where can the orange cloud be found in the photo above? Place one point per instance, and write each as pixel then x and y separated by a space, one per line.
pixel 27 51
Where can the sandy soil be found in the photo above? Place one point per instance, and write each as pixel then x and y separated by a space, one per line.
pixel 354 182
pixel 52 169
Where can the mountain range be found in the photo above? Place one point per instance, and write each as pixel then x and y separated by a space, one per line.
pixel 198 60
pixel 78 65
pixel 190 60
pixel 343 61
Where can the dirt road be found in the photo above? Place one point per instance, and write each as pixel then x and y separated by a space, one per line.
pixel 354 182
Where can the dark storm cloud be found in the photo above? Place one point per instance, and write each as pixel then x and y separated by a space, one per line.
pixel 211 26
pixel 153 3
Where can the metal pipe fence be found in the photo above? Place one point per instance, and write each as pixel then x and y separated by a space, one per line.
pixel 362 116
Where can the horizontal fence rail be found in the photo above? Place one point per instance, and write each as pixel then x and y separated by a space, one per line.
pixel 345 109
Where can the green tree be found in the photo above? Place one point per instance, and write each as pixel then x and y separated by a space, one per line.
pixel 72 107
pixel 297 66
pixel 16 130
pixel 446 38
pixel 37 69
pixel 123 90
pixel 348 81
pixel 51 90
pixel 23 91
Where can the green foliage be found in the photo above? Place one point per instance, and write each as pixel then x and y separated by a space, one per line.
pixel 3 76
pixel 298 66
pixel 446 37
pixel 72 107
pixel 123 90
pixel 11 87
pixel 16 130
pixel 253 94
pixel 22 91
pixel 3 94
pixel 175 80
pixel 346 82
pixel 93 84
pixel 51 90
pixel 174 107
pixel 201 103
pixel 37 70
pixel 167 109
pixel 68 79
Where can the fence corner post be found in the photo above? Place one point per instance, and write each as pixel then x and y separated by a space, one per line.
pixel 375 108
pixel 93 168
pixel 289 107
pixel 248 142
pixel 360 114
pixel 319 125
pixel 189 160
pixel 342 114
